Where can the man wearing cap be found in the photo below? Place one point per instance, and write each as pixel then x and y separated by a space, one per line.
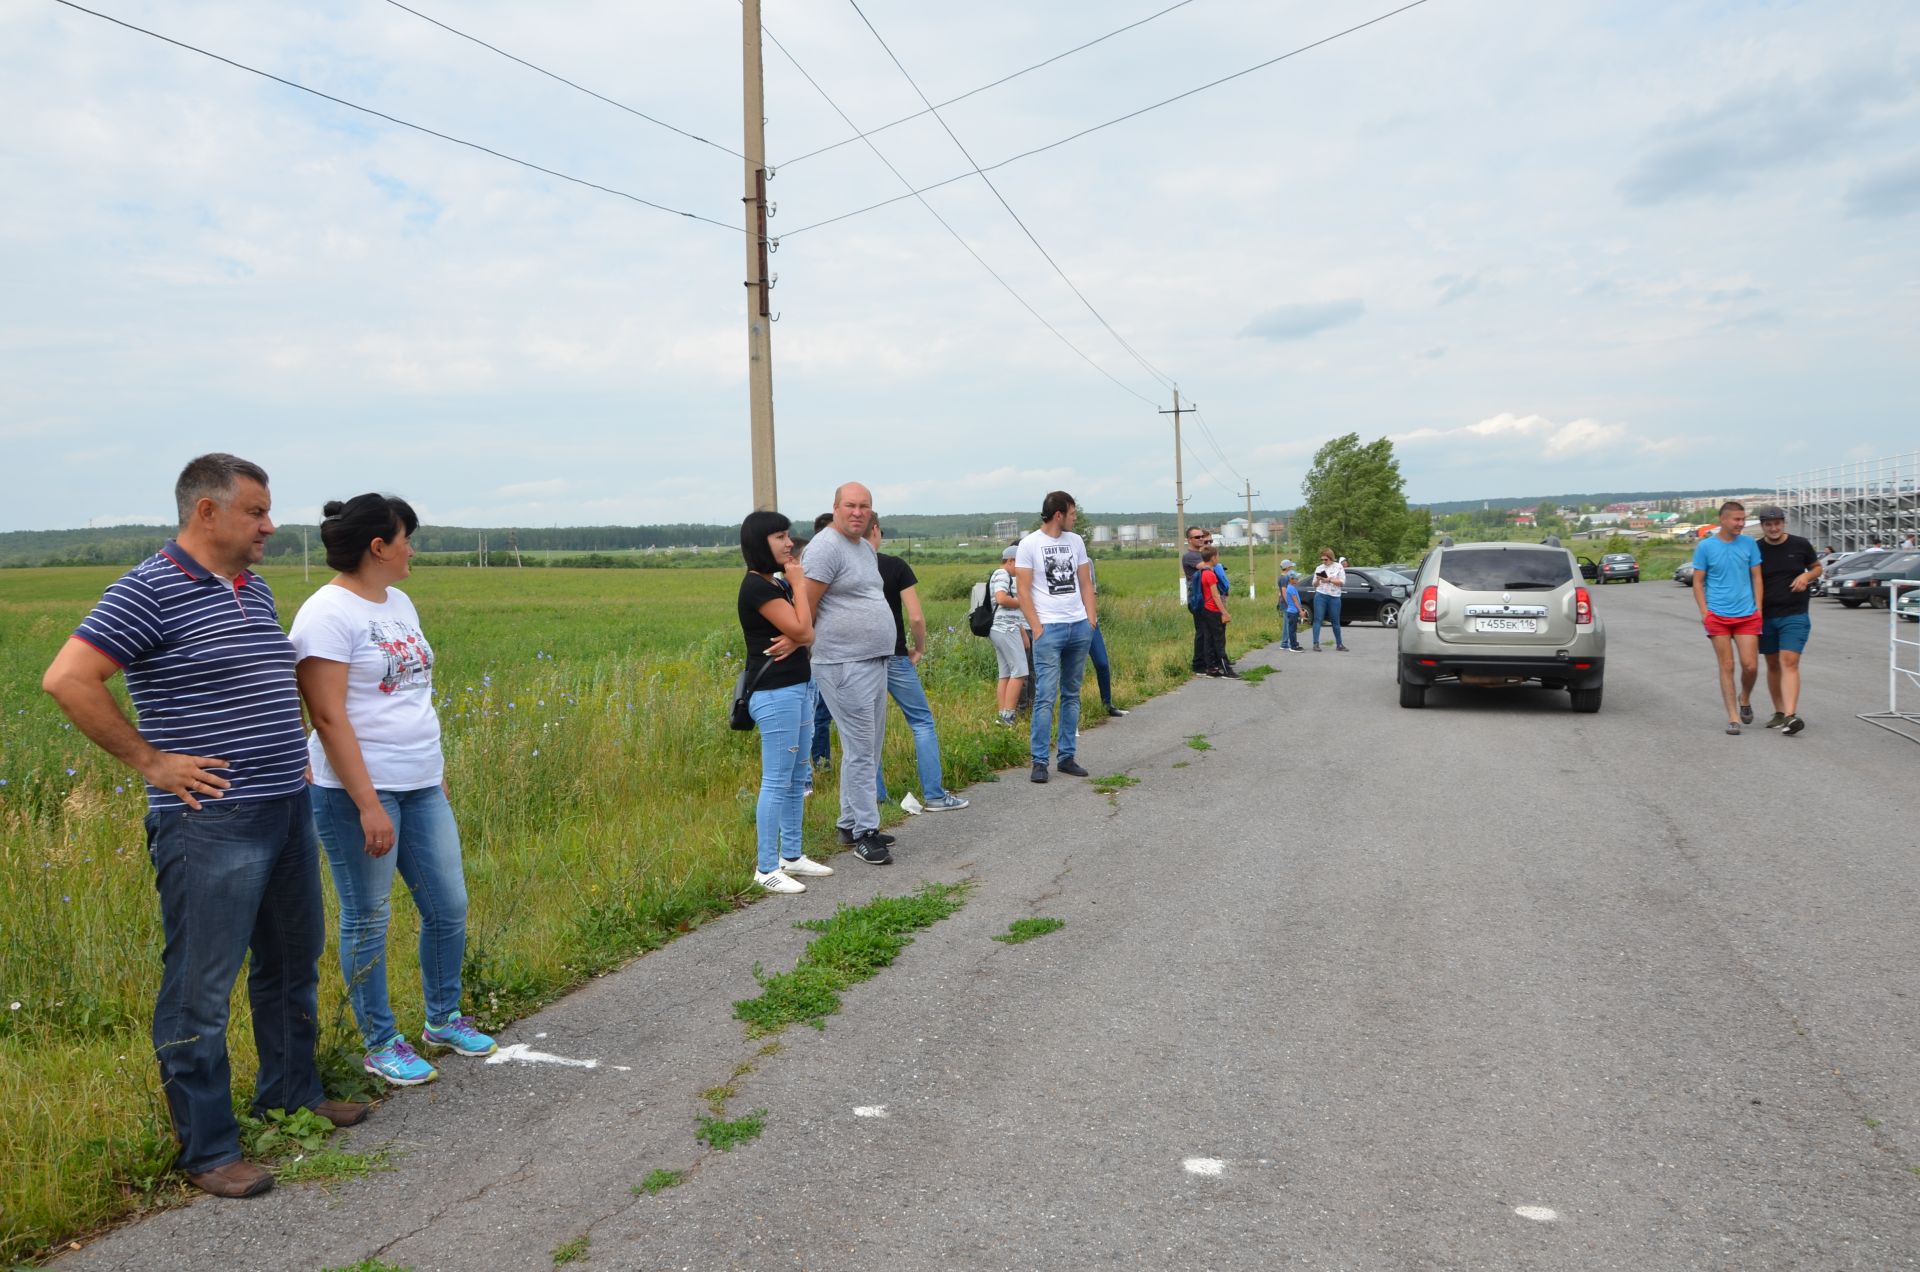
pixel 1788 567
pixel 1010 638
pixel 1197 541
pixel 1726 586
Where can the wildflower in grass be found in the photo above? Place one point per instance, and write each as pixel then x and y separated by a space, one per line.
pixel 69 772
pixel 119 789
pixel 14 1005
pixel 65 900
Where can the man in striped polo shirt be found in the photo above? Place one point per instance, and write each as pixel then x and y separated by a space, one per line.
pixel 229 829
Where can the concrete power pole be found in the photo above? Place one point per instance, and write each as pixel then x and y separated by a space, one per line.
pixel 759 317
pixel 1179 485
pixel 1251 492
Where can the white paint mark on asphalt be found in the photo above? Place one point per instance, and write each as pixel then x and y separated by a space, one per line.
pixel 539 1035
pixel 1209 1167
pixel 871 1110
pixel 521 1051
pixel 1539 1214
pixel 624 1068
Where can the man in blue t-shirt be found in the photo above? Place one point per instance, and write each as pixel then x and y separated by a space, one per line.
pixel 229 827
pixel 1727 587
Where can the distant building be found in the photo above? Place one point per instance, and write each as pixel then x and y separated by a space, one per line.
pixel 1008 528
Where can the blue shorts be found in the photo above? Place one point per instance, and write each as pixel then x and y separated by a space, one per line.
pixel 1788 632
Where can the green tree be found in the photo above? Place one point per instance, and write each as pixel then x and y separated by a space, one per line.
pixel 1354 502
pixel 1618 543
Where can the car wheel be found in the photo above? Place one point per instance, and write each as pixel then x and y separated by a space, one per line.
pixel 1586 701
pixel 1412 696
pixel 1390 614
pixel 1852 602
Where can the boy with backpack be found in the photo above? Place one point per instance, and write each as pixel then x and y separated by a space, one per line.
pixel 1211 589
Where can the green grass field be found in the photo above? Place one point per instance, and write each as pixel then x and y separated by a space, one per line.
pixel 604 807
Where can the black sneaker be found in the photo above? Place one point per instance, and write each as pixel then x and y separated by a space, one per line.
pixel 871 849
pixel 1040 773
pixel 1793 725
pixel 1071 769
pixel 847 839
pixel 1230 673
pixel 1746 713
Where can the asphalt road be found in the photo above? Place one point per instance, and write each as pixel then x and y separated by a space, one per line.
pixel 1489 985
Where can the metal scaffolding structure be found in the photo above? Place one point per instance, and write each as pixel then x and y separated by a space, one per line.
pixel 1848 506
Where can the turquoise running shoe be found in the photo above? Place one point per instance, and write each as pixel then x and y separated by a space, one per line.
pixel 458 1034
pixel 399 1064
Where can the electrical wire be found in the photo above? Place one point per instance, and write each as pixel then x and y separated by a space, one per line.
pixel 958 238
pixel 1152 370
pixel 1214 442
pixel 859 136
pixel 1119 119
pixel 1195 456
pixel 564 80
pixel 394 119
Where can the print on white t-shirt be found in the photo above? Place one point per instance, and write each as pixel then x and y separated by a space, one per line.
pixel 1055 562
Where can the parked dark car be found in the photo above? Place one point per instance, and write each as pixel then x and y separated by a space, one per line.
pixel 1831 564
pixel 1374 595
pixel 1683 574
pixel 1864 582
pixel 1619 567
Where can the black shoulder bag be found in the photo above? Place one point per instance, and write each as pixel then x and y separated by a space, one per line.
pixel 739 717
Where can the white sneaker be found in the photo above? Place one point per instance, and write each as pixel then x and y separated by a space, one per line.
pixel 805 866
pixel 777 881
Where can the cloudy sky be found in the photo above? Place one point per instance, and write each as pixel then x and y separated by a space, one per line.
pixel 1555 246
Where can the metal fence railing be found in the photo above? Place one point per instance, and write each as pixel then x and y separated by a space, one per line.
pixel 1848 506
pixel 1903 720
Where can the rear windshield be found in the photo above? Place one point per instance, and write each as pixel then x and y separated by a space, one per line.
pixel 1617 556
pixel 1505 569
pixel 1904 562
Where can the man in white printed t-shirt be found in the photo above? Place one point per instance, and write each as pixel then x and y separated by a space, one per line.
pixel 1056 594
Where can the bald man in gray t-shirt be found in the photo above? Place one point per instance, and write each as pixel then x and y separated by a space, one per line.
pixel 853 639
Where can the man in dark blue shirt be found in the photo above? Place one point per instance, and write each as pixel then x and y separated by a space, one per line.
pixel 229 828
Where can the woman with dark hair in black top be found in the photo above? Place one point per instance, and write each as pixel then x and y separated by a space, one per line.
pixel 777 621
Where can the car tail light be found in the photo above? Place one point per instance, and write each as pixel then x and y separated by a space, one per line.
pixel 1430 604
pixel 1582 606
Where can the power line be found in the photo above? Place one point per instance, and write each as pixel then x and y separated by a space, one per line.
pixel 860 136
pixel 1120 119
pixel 1152 370
pixel 394 119
pixel 564 80
pixel 1231 494
pixel 944 224
pixel 1215 443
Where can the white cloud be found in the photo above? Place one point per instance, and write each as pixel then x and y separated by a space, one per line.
pixel 1536 437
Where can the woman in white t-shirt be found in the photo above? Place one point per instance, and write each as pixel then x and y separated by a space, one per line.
pixel 379 788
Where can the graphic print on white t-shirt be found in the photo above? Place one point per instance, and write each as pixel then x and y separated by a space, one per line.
pixel 409 659
pixel 1057 561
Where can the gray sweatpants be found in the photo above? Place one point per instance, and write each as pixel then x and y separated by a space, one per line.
pixel 856 693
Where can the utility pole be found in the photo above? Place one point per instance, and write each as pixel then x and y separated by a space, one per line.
pixel 1179 485
pixel 1251 492
pixel 759 317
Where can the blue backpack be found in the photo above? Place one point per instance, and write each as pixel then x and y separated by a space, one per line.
pixel 1196 594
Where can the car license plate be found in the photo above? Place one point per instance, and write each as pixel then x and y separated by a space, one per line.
pixel 1506 624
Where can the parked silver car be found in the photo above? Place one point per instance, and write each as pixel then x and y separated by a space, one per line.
pixel 1501 614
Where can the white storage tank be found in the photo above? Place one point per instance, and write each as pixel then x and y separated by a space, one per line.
pixel 1129 534
pixel 1103 534
pixel 1147 532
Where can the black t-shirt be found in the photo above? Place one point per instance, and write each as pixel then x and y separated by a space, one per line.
pixel 1780 565
pixel 896 576
pixel 794 669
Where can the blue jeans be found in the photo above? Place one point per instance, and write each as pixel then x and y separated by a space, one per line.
pixel 1102 670
pixel 1290 632
pixel 425 853
pixel 1059 665
pixel 822 749
pixel 904 687
pixel 784 717
pixel 235 877
pixel 1327 608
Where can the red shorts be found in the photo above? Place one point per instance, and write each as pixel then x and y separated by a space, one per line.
pixel 1750 625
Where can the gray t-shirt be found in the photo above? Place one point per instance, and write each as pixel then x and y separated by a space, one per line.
pixel 852 621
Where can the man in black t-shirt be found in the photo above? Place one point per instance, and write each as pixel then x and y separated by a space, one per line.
pixel 1788 567
pixel 901 588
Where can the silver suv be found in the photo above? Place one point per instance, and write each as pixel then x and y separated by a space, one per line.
pixel 1501 614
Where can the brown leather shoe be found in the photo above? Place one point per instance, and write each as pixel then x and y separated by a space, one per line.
pixel 342 1113
pixel 235 1179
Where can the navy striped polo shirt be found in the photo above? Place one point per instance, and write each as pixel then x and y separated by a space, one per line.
pixel 209 670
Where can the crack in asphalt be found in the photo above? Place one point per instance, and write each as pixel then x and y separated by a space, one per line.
pixel 519 1175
